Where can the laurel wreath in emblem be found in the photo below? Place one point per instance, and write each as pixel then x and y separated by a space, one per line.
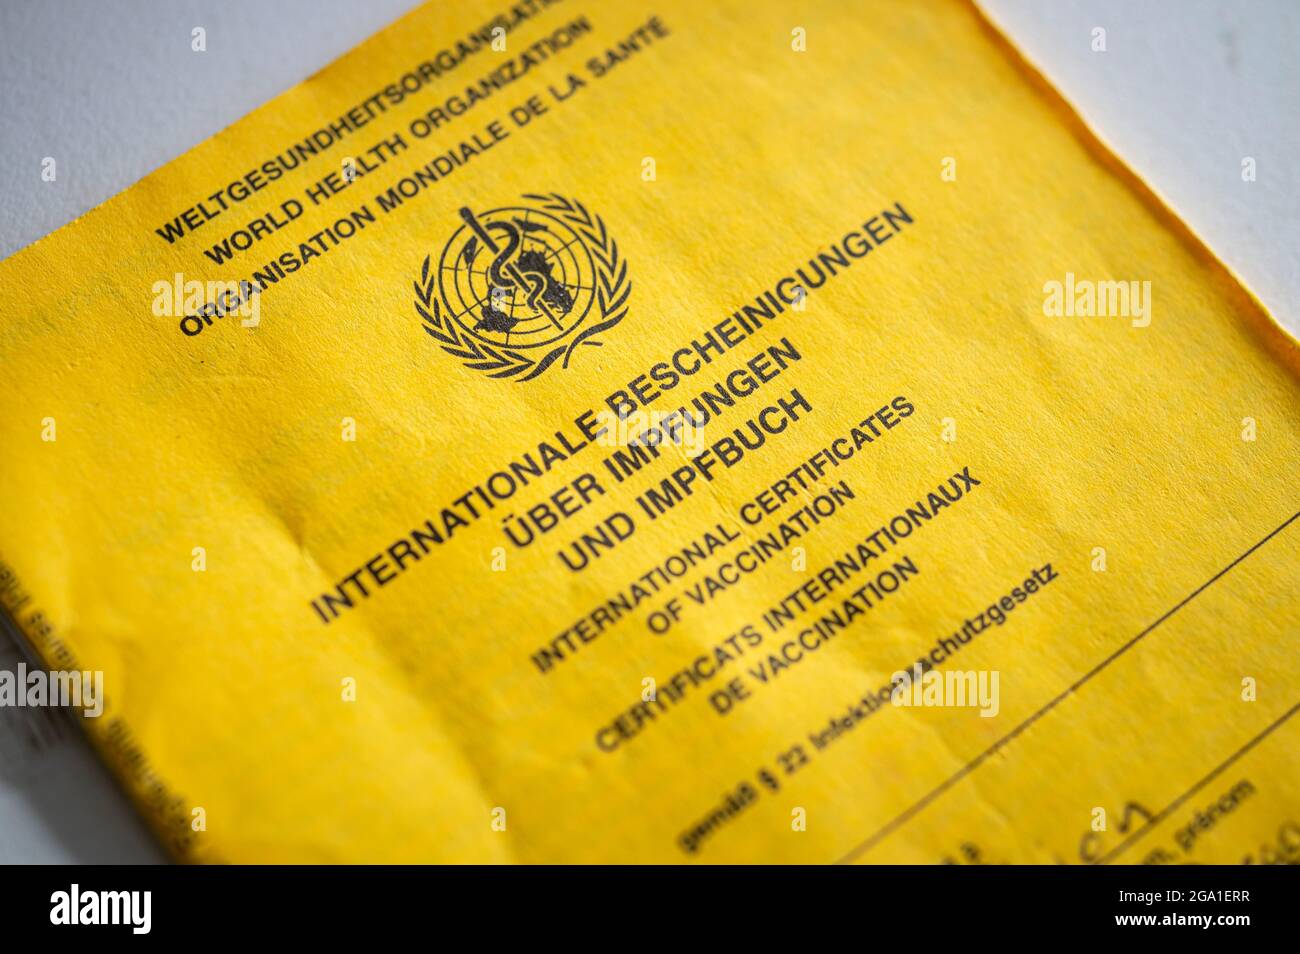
pixel 487 345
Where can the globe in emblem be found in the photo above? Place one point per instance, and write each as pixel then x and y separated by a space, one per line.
pixel 523 288
pixel 516 277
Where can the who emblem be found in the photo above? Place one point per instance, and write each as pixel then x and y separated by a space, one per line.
pixel 517 288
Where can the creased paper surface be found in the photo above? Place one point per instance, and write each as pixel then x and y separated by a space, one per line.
pixel 384 567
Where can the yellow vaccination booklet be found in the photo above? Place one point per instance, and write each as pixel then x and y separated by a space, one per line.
pixel 678 432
